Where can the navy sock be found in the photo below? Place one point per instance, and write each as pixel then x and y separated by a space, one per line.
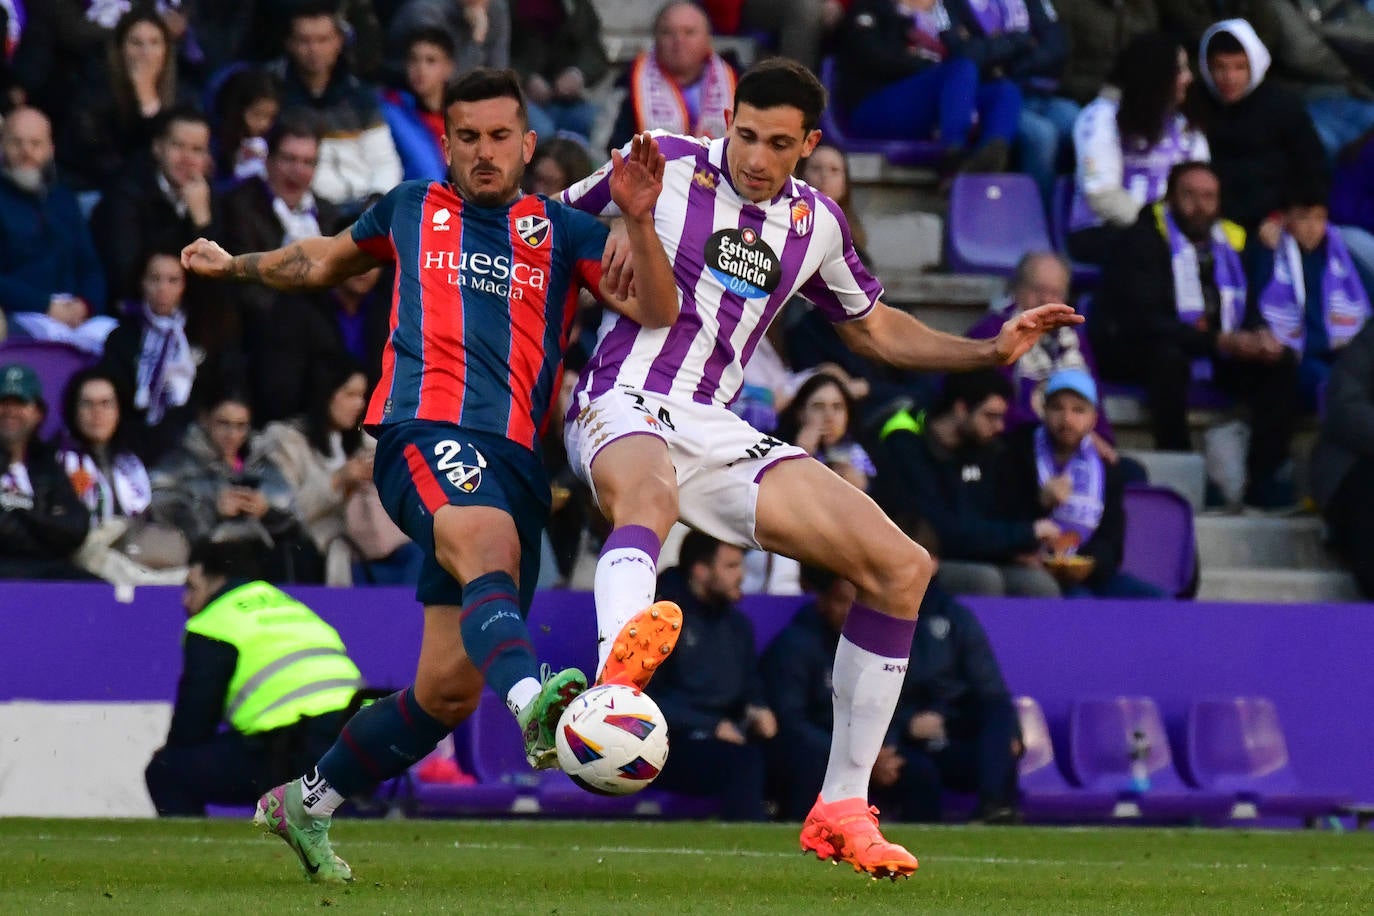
pixel 381 741
pixel 494 633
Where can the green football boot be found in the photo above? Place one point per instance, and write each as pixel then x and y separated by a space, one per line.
pixel 281 813
pixel 539 720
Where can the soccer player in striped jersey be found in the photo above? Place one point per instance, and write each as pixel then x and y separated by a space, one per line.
pixel 651 430
pixel 485 291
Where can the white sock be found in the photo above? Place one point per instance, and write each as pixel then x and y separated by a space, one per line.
pixel 525 690
pixel 866 687
pixel 626 580
pixel 318 796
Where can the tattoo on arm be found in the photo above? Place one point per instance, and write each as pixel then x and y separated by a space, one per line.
pixel 245 267
pixel 288 269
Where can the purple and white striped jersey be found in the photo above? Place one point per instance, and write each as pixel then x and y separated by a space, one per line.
pixel 736 264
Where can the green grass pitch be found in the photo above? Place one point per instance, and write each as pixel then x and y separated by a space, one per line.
pixel 487 867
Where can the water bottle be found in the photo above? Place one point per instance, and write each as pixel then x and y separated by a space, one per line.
pixel 1140 762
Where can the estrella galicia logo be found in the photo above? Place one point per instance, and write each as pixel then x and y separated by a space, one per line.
pixel 533 230
pixel 743 262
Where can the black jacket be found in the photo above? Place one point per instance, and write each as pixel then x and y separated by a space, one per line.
pixel 123 349
pixel 712 674
pixel 796 669
pixel 873 51
pixel 956 494
pixel 1033 58
pixel 953 670
pixel 1260 146
pixel 206 670
pixel 54 526
pixel 1020 483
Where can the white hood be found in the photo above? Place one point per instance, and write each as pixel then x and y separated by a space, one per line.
pixel 1254 49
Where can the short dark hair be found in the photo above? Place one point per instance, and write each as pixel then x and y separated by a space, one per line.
pixel 299 124
pixel 482 83
pixel 1307 191
pixel 779 81
pixel 697 548
pixel 433 35
pixel 1225 42
pixel 971 389
pixel 313 9
pixel 232 559
pixel 1183 168
pixel 178 114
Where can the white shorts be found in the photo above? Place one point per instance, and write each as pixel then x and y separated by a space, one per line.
pixel 719 458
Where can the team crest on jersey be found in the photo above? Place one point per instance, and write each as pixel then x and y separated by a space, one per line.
pixel 704 179
pixel 439 221
pixel 743 262
pixel 802 218
pixel 533 230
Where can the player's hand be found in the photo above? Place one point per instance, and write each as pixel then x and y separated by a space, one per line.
pixel 637 179
pixel 761 721
pixel 729 732
pixel 1021 331
pixel 207 259
pixel 617 265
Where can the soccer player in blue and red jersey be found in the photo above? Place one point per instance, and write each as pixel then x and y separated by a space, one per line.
pixel 486 288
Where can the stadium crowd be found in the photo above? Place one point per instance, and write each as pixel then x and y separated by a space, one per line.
pixel 1222 163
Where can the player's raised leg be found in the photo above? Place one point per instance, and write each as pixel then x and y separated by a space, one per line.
pixel 636 488
pixel 807 512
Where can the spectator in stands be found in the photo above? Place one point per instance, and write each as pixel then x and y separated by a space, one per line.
pixel 327 460
pixel 63 50
pixel 149 355
pixel 1126 141
pixel 682 85
pixel 820 419
pixel 558 163
pixel 901 77
pixel 217 485
pixel 1041 277
pixel 1342 472
pixel 480 29
pixel 827 170
pixel 709 687
pixel 796 670
pixel 1190 20
pixel 1022 41
pixel 164 207
pixel 48 262
pixel 358 311
pixel 955 727
pixel 270 27
pixel 1099 31
pixel 940 470
pixel 287 337
pixel 415 115
pixel 795 28
pixel 1174 296
pixel 123 546
pixel 111 122
pixel 1053 467
pixel 1260 136
pixel 1310 294
pixel 248 104
pixel 42 522
pixel 358 159
pixel 558 52
pixel 259 661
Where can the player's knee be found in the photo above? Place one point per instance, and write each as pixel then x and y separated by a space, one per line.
pixel 467 558
pixel 652 501
pixel 900 574
pixel 449 700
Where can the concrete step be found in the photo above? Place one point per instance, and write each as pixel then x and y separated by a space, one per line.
pixel 908 241
pixel 1284 586
pixel 1184 472
pixel 1257 542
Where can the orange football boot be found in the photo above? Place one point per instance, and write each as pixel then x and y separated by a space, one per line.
pixel 642 645
pixel 847 831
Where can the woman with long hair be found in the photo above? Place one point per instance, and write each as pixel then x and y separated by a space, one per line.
pixel 247 107
pixel 827 170
pixel 96 453
pixel 114 121
pixel 1127 140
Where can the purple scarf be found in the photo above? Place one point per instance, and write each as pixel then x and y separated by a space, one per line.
pixel 998 16
pixel 1082 511
pixel 1284 301
pixel 1226 270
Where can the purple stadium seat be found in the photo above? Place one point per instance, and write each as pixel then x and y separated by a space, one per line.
pixel 54 363
pixel 1045 794
pixel 1100 733
pixel 1236 746
pixel 1160 547
pixel 1085 276
pixel 915 153
pixel 993 221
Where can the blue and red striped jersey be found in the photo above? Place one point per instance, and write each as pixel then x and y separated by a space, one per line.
pixel 481 307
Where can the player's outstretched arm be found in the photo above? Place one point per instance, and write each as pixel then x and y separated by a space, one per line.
pixel 899 339
pixel 308 264
pixel 636 181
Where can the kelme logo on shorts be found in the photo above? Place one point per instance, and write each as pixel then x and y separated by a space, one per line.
pixel 743 262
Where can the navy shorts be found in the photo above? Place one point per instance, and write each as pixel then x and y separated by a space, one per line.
pixel 422 465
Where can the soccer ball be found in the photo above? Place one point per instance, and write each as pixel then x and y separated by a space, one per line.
pixel 612 740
